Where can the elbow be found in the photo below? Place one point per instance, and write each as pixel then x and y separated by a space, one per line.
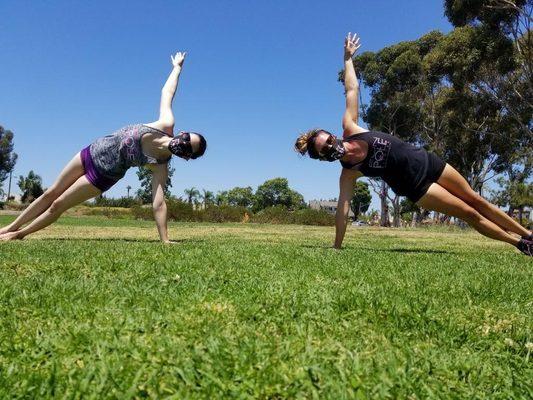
pixel 167 123
pixel 159 206
pixel 352 87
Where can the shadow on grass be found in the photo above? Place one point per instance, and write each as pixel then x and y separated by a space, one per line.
pixel 117 240
pixel 393 250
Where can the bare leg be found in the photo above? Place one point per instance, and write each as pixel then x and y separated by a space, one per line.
pixel 72 171
pixel 79 192
pixel 454 183
pixel 439 199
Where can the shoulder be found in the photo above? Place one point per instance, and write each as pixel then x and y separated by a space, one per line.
pixel 161 128
pixel 352 130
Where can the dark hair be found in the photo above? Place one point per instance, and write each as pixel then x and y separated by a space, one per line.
pixel 202 146
pixel 306 142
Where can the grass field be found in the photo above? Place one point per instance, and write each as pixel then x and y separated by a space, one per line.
pixel 97 308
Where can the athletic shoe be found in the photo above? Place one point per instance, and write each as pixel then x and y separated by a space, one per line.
pixel 526 247
pixel 530 237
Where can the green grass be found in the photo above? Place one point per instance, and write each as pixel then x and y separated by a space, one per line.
pixel 96 308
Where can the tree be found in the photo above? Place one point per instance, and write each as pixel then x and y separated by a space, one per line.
pixel 501 36
pixel 361 198
pixel 221 197
pixel 128 188
pixel 8 158
pixel 515 174
pixel 145 177
pixel 515 195
pixel 241 196
pixel 436 91
pixel 478 133
pixel 192 195
pixel 31 187
pixel 207 197
pixel 410 210
pixel 276 192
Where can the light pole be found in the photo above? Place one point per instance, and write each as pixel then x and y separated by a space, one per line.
pixel 9 186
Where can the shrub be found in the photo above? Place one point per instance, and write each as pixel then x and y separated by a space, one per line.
pixel 2 204
pixel 11 205
pixel 179 210
pixel 280 215
pixel 123 202
pixel 224 214
pixel 109 212
pixel 142 212
pixel 313 217
pixel 273 215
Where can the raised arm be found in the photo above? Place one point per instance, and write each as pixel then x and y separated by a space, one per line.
pixel 346 186
pixel 351 86
pixel 159 180
pixel 166 117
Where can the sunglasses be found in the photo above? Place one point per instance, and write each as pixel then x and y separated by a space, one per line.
pixel 328 145
pixel 185 143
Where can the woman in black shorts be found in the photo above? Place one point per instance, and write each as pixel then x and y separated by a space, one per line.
pixel 415 173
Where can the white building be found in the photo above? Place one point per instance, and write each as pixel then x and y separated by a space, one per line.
pixel 328 206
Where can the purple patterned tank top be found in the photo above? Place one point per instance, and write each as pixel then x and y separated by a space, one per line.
pixel 114 154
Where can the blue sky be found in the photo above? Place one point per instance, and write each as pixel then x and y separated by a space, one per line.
pixel 257 74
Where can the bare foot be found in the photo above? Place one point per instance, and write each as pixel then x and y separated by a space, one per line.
pixel 10 236
pixel 5 229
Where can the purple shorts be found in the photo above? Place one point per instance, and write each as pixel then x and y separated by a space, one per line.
pixel 96 178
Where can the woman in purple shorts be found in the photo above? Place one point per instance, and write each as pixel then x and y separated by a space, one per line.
pixel 99 166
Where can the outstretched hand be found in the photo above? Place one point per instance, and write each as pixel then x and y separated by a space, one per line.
pixel 351 44
pixel 177 60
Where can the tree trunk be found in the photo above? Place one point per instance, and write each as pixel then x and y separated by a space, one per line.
pixel 415 219
pixel 396 212
pixel 9 187
pixel 384 205
pixel 521 215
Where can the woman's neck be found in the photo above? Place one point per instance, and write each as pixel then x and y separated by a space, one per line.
pixel 158 145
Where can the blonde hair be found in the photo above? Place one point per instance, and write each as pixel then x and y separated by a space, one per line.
pixel 301 145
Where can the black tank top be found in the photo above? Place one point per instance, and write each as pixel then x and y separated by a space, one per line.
pixel 400 164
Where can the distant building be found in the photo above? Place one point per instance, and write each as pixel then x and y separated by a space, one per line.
pixel 328 206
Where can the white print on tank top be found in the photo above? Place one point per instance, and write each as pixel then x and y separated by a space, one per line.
pixel 129 144
pixel 381 148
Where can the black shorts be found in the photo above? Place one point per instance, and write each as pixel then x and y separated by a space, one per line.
pixel 435 166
